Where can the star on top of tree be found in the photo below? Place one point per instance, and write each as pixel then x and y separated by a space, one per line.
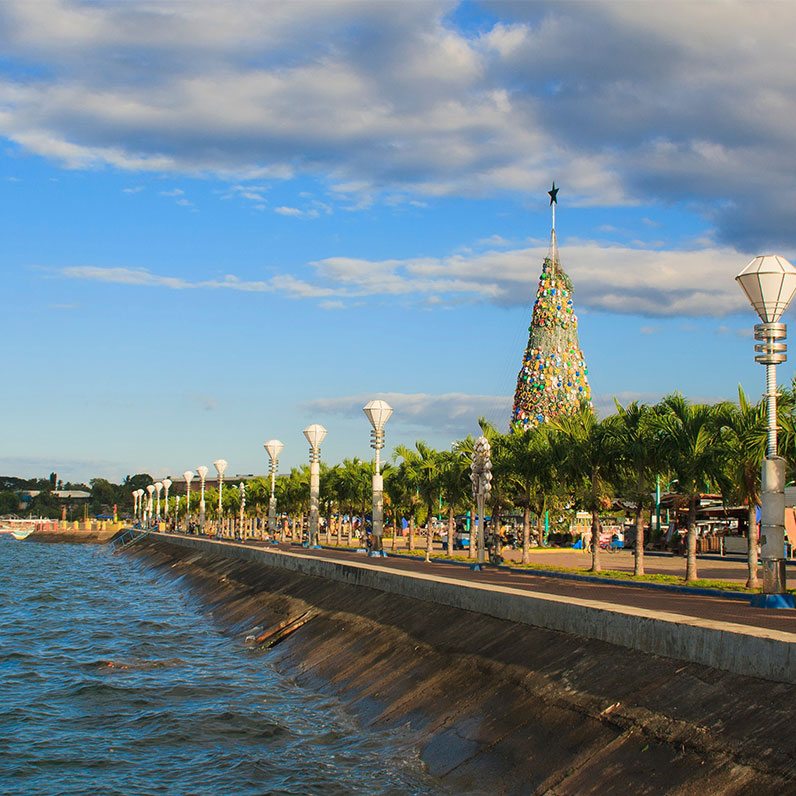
pixel 553 194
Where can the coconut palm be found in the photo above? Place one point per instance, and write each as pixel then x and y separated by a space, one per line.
pixel 631 437
pixel 423 470
pixel 454 482
pixel 294 496
pixel 744 434
pixel 404 499
pixel 690 443
pixel 501 494
pixel 578 447
pixel 353 488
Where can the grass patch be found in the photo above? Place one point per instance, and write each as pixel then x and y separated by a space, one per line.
pixel 669 580
pixel 606 574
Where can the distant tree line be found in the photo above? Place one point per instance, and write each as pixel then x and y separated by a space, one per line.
pixel 579 462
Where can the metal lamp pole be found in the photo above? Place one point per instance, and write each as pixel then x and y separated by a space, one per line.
pixel 378 413
pixel 158 490
pixel 315 435
pixel 481 478
pixel 188 476
pixel 273 447
pixel 221 467
pixel 769 282
pixel 167 482
pixel 140 495
pixel 202 472
pixel 150 490
pixel 242 490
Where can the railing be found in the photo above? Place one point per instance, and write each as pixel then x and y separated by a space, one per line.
pixel 129 537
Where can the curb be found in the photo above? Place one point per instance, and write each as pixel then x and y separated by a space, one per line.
pixel 669 587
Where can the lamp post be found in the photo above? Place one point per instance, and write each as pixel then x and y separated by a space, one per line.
pixel 167 482
pixel 140 495
pixel 242 490
pixel 481 478
pixel 221 467
pixel 158 490
pixel 188 476
pixel 378 413
pixel 769 282
pixel 658 501
pixel 273 447
pixel 202 472
pixel 151 490
pixel 315 434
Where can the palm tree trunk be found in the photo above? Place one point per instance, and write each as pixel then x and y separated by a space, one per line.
pixel 430 531
pixel 638 563
pixel 752 582
pixel 412 531
pixel 540 528
pixel 451 529
pixel 691 562
pixel 595 541
pixel 526 534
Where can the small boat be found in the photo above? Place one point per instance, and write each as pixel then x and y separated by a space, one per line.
pixel 22 533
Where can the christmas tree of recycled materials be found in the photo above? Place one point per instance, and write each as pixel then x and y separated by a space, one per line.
pixel 553 379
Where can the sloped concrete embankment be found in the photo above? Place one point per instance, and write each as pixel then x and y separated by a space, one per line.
pixel 89 535
pixel 500 707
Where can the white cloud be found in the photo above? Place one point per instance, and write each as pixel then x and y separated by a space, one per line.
pixel 295 212
pixel 609 278
pixel 452 412
pixel 457 413
pixel 623 102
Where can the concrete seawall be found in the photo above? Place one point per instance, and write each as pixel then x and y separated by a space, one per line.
pixel 741 649
pixel 79 536
pixel 494 705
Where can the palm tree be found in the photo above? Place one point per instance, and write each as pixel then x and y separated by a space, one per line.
pixel 294 498
pixel 423 472
pixel 403 499
pixel 353 483
pixel 690 444
pixel 630 434
pixel 454 481
pixel 466 447
pixel 529 468
pixel 578 442
pixel 744 434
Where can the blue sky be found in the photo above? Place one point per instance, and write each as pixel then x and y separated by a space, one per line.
pixel 223 222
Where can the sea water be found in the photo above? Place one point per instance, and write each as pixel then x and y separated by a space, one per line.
pixel 112 681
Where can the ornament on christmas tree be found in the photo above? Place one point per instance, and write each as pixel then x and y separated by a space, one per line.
pixel 553 379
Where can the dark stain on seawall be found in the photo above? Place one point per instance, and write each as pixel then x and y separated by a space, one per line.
pixel 501 708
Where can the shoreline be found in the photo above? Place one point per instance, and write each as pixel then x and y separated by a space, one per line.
pixel 523 708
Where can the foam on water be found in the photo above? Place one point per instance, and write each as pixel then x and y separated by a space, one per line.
pixel 112 682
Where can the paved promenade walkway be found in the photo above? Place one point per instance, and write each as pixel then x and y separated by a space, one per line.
pixel 712 608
